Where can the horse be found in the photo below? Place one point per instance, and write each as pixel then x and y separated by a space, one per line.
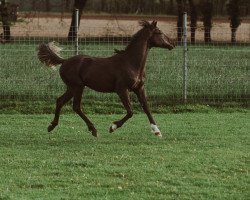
pixel 121 73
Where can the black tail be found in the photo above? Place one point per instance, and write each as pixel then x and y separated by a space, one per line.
pixel 49 54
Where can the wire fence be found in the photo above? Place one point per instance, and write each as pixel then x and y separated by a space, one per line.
pixel 218 72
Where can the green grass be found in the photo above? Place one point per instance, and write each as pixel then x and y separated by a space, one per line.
pixel 216 73
pixel 201 156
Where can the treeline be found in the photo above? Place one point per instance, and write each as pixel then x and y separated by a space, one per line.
pixel 197 9
pixel 147 7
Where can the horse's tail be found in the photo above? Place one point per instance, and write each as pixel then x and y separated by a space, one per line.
pixel 49 54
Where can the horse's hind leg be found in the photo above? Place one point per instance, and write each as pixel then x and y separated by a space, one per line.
pixel 124 96
pixel 77 108
pixel 60 102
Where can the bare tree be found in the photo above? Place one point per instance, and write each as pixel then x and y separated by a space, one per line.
pixel 5 21
pixel 206 8
pixel 170 8
pixel 193 19
pixel 78 4
pixel 221 5
pixel 245 7
pixel 233 9
pixel 33 4
pixel 67 5
pixel 47 5
pixel 102 5
pixel 180 10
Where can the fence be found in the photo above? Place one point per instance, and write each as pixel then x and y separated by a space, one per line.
pixel 217 72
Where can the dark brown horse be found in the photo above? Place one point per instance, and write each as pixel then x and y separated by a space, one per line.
pixel 120 73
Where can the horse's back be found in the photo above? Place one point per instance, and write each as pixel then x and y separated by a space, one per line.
pixel 99 74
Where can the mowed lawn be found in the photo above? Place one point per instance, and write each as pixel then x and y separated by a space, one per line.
pixel 201 156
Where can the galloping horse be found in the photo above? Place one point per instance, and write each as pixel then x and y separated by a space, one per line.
pixel 120 73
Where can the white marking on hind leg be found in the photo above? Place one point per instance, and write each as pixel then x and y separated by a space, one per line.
pixel 113 127
pixel 155 130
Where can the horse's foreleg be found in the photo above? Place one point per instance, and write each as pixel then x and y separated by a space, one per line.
pixel 77 108
pixel 140 93
pixel 124 96
pixel 60 102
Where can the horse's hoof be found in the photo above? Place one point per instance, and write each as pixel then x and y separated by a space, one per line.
pixel 158 134
pixel 93 131
pixel 112 128
pixel 50 127
pixel 155 130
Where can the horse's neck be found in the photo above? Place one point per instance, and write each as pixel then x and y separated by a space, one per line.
pixel 137 55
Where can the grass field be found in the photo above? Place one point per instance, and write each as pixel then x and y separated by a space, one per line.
pixel 216 73
pixel 201 156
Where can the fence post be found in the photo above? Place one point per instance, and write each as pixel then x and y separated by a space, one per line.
pixel 76 30
pixel 185 58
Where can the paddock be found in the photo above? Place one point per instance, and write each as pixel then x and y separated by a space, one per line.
pixel 203 153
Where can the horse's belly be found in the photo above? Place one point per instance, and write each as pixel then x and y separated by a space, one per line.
pixel 101 85
pixel 100 88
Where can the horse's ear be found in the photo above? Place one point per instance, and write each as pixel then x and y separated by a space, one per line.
pixel 154 23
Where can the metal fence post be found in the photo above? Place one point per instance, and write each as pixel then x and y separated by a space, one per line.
pixel 76 30
pixel 185 58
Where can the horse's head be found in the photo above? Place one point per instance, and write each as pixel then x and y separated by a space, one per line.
pixel 157 37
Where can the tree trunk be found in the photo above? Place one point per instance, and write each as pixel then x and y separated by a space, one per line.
pixel 193 19
pixel 233 35
pixel 179 32
pixel 72 30
pixel 67 5
pixel 193 29
pixel 179 20
pixel 102 5
pixel 206 8
pixel 234 11
pixel 5 21
pixel 33 3
pixel 6 33
pixel 170 8
pixel 47 5
pixel 79 4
